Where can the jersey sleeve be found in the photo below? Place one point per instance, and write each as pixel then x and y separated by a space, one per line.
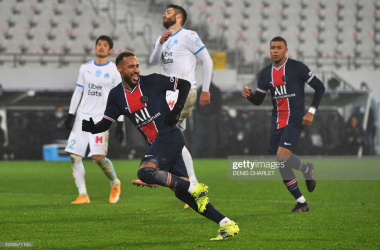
pixel 112 109
pixel 80 81
pixel 193 42
pixel 262 85
pixel 304 73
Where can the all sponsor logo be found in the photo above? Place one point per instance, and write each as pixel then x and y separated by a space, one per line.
pixel 143 117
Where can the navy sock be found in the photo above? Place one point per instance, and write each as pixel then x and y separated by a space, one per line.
pixel 162 178
pixel 290 181
pixel 296 163
pixel 211 212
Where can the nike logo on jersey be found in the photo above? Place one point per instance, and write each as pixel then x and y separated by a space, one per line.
pixel 89 72
pixel 147 155
pixel 285 143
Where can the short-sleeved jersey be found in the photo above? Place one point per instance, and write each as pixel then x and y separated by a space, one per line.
pixel 96 81
pixel 287 87
pixel 145 105
pixel 178 55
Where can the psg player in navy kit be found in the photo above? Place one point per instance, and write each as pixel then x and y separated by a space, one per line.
pixel 143 100
pixel 286 78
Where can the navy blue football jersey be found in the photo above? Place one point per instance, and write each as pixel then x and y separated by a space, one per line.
pixel 287 87
pixel 145 105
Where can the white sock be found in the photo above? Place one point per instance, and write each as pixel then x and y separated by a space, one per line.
pixel 192 187
pixel 224 222
pixel 189 165
pixel 106 165
pixel 301 199
pixel 78 174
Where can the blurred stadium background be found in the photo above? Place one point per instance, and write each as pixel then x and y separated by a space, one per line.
pixel 44 42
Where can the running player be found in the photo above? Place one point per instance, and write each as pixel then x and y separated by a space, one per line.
pixel 286 78
pixel 178 50
pixel 96 79
pixel 142 100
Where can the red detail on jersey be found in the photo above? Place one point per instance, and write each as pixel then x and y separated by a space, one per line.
pixel 133 99
pixel 283 111
pixel 171 103
pixel 150 131
pixel 99 139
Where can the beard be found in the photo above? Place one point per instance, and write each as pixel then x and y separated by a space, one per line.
pixel 169 22
pixel 128 80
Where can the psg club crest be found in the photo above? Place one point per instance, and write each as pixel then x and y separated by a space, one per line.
pixel 284 78
pixel 144 99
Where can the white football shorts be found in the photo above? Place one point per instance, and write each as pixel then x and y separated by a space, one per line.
pixel 79 140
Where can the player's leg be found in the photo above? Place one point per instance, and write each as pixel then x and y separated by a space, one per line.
pixel 76 147
pixel 98 149
pixel 290 180
pixel 186 111
pixel 289 140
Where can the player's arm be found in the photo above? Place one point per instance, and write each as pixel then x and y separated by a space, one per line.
pixel 110 116
pixel 183 87
pixel 205 57
pixel 308 77
pixel 75 100
pixel 261 92
pixel 155 57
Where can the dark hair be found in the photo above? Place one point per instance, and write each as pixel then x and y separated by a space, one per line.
pixel 279 39
pixel 121 56
pixel 179 10
pixel 105 38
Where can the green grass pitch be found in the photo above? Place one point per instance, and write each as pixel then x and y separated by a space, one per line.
pixel 35 205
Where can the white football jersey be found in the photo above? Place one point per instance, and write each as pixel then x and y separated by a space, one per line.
pixel 96 81
pixel 178 55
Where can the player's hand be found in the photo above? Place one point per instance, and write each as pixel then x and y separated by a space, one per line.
pixel 69 122
pixel 204 99
pixel 173 116
pixel 165 36
pixel 247 91
pixel 88 126
pixel 308 119
pixel 119 132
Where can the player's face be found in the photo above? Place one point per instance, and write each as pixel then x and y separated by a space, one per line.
pixel 130 70
pixel 169 18
pixel 278 51
pixel 102 49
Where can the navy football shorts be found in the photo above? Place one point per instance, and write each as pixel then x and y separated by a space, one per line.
pixel 286 137
pixel 166 152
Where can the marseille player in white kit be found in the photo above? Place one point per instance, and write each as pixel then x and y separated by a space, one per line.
pixel 96 79
pixel 178 50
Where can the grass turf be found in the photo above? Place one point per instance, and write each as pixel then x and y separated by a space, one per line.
pixel 35 206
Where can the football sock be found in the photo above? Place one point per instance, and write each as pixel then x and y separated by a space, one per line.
pixel 290 181
pixel 192 187
pixel 106 165
pixel 211 212
pixel 162 178
pixel 78 174
pixel 189 165
pixel 296 163
pixel 301 199
pixel 224 222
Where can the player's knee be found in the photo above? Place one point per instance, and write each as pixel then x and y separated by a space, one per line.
pixel 146 174
pixel 75 158
pixel 97 158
